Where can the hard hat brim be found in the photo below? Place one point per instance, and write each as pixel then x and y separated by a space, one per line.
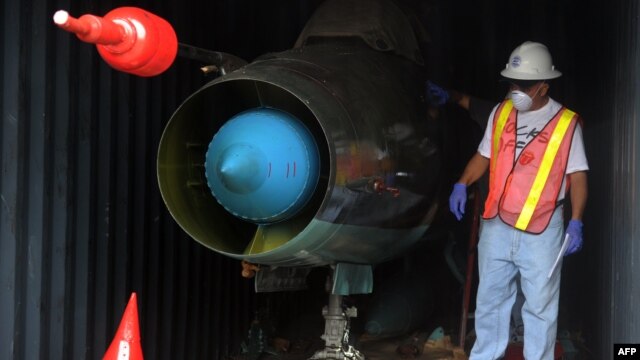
pixel 510 74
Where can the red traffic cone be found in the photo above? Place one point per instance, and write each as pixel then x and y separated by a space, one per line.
pixel 126 344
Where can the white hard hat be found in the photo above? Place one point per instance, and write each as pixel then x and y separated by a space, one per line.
pixel 530 61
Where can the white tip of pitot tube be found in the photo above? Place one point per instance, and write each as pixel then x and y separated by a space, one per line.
pixel 61 17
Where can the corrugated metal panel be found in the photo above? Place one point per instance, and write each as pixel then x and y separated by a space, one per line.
pixel 82 224
pixel 622 253
pixel 601 286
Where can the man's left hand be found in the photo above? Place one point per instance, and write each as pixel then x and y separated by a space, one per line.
pixel 574 230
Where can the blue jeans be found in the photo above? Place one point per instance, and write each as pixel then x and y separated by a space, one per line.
pixel 503 251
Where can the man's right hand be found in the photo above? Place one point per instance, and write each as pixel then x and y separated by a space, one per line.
pixel 458 200
pixel 436 95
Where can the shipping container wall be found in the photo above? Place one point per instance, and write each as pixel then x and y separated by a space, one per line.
pixel 617 186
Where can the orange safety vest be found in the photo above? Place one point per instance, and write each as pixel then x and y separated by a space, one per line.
pixel 524 191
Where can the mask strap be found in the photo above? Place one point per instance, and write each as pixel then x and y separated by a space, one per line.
pixel 539 87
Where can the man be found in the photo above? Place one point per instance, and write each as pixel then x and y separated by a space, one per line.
pixel 534 151
pixel 479 111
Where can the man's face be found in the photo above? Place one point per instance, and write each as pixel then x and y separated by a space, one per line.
pixel 536 93
pixel 538 89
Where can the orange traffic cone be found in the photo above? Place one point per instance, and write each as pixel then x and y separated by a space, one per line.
pixel 126 344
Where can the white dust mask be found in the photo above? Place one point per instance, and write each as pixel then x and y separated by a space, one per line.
pixel 522 101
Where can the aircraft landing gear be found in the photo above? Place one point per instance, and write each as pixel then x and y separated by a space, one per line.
pixel 336 332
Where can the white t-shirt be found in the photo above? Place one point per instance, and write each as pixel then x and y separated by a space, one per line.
pixel 530 123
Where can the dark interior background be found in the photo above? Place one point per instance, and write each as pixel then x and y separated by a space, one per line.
pixel 82 224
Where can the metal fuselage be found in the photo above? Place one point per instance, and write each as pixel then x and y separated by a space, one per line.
pixel 380 159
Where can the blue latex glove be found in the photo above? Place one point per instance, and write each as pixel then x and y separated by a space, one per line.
pixel 436 95
pixel 458 200
pixel 574 230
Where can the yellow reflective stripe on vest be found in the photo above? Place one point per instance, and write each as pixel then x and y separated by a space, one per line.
pixel 497 134
pixel 545 168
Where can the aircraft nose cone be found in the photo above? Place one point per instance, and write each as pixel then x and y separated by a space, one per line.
pixel 239 169
pixel 262 165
